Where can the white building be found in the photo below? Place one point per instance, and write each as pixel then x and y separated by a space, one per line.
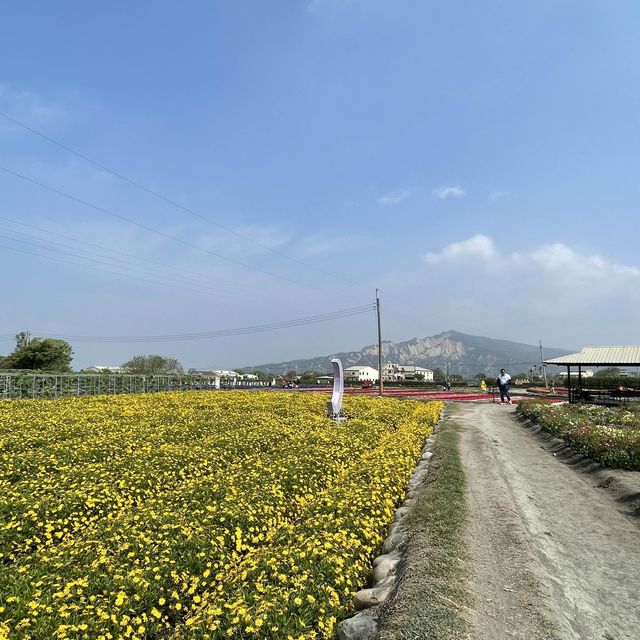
pixel 586 373
pixel 100 368
pixel 394 372
pixel 360 373
pixel 226 373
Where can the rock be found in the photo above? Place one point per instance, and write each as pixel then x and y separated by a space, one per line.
pixel 401 512
pixel 411 493
pixel 384 557
pixel 384 565
pixel 393 542
pixel 409 502
pixel 417 480
pixel 360 627
pixel 427 456
pixel 372 597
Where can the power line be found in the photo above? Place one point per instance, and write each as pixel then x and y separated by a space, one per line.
pixel 205 335
pixel 232 284
pixel 148 228
pixel 167 277
pixel 168 200
pixel 99 270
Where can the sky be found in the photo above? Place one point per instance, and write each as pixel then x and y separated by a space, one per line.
pixel 247 163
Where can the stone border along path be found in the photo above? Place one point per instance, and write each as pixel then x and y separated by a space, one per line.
pixel 364 625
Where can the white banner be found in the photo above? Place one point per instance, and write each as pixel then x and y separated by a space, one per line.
pixel 338 387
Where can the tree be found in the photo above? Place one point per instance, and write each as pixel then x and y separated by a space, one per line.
pixel 309 377
pixel 608 372
pixel 438 375
pixel 47 354
pixel 153 365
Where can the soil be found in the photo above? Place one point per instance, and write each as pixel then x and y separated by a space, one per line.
pixel 553 554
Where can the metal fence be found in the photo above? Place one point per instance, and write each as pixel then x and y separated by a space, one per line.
pixel 50 385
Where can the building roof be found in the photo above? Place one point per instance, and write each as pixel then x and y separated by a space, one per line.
pixel 600 357
pixel 360 367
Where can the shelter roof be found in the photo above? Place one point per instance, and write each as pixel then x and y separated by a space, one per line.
pixel 600 357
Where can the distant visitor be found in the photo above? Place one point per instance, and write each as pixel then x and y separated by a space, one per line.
pixel 503 381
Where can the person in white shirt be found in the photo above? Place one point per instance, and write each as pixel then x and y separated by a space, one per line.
pixel 503 381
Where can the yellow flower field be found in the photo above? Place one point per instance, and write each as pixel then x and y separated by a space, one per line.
pixel 195 514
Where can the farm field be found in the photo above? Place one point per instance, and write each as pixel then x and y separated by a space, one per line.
pixel 195 514
pixel 610 435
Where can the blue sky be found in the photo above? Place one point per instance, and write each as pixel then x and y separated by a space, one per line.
pixel 476 161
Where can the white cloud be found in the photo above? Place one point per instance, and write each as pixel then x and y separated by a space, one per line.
pixel 561 259
pixel 394 197
pixel 479 246
pixel 554 291
pixel 443 193
pixel 557 259
pixel 26 107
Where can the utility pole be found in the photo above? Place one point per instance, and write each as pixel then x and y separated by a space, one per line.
pixel 544 367
pixel 381 382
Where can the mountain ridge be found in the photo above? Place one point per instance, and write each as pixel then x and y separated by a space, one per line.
pixel 465 354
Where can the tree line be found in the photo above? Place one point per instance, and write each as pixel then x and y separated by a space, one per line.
pixel 51 354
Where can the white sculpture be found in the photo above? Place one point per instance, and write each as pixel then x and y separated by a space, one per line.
pixel 334 407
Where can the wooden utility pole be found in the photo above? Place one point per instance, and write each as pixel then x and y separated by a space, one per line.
pixel 380 380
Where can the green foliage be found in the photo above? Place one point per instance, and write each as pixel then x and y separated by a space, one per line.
pixel 310 377
pixel 605 382
pixel 608 372
pixel 153 365
pixel 46 354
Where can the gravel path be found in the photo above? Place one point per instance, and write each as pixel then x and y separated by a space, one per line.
pixel 553 555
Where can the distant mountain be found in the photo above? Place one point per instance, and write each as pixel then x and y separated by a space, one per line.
pixel 465 354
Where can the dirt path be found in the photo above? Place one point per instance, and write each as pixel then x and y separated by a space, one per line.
pixel 553 556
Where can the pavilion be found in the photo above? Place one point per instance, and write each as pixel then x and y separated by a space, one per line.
pixel 595 357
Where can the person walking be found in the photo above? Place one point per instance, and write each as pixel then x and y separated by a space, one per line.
pixel 503 381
